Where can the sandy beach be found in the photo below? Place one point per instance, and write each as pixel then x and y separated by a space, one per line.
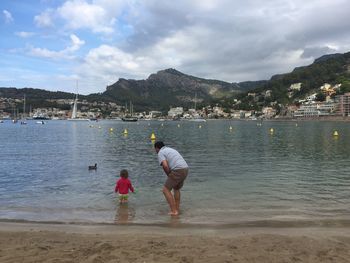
pixel 30 242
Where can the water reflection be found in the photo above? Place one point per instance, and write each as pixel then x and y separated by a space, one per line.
pixel 124 214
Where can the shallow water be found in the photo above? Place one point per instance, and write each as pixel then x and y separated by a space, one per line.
pixel 298 173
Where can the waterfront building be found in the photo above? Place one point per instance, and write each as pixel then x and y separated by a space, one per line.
pixel 155 114
pixel 268 112
pixel 343 102
pixel 175 112
pixel 315 110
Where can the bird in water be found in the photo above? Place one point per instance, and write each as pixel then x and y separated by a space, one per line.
pixel 93 167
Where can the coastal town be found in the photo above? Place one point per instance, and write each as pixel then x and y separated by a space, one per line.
pixel 328 106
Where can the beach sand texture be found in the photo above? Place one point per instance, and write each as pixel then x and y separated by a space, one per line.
pixel 146 244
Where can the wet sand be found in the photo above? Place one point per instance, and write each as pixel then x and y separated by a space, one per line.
pixel 30 242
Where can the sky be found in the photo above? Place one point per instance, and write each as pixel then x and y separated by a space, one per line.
pixel 84 45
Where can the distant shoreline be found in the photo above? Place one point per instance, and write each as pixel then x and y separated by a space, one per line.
pixel 334 118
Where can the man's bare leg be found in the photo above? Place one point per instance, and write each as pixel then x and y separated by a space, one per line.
pixel 171 201
pixel 177 196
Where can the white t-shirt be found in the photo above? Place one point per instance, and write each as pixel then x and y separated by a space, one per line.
pixel 173 157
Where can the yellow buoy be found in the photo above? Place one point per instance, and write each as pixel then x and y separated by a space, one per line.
pixel 231 128
pixel 335 133
pixel 125 132
pixel 110 129
pixel 271 130
pixel 153 136
pixel 200 126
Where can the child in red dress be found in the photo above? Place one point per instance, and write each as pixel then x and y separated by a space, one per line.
pixel 123 185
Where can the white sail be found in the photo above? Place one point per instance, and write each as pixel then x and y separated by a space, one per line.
pixel 75 109
pixel 74 112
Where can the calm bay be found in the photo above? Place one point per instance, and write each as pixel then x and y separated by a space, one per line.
pixel 297 174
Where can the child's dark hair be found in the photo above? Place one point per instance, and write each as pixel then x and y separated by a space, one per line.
pixel 124 173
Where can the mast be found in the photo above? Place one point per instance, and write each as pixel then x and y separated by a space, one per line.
pixel 195 101
pixel 24 106
pixel 75 107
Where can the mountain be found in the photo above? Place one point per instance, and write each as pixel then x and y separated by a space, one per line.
pixel 332 69
pixel 170 87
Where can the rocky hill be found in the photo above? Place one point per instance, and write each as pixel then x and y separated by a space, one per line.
pixel 332 69
pixel 172 88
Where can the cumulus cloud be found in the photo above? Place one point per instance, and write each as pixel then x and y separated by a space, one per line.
pixel 44 19
pixel 98 16
pixel 66 53
pixel 7 16
pixel 220 39
pixel 236 40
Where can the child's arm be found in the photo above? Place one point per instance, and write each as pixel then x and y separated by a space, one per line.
pixel 116 188
pixel 131 187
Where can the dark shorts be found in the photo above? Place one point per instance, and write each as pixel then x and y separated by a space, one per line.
pixel 176 179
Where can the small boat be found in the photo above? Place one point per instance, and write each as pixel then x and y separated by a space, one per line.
pixel 129 118
pixel 198 119
pixel 40 116
pixel 40 122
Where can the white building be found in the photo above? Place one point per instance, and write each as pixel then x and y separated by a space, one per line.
pixel 295 87
pixel 175 112
pixel 315 110
pixel 268 112
pixel 155 114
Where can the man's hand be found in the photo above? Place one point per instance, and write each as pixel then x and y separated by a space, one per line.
pixel 166 167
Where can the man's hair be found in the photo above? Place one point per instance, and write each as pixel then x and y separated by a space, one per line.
pixel 159 144
pixel 124 173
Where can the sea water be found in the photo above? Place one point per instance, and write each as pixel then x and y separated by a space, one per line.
pixel 240 172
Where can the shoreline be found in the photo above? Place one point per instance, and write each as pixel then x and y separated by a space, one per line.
pixel 35 242
pixel 175 222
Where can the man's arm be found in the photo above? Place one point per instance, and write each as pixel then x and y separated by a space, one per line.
pixel 165 166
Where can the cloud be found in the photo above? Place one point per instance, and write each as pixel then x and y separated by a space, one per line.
pixel 99 16
pixel 315 52
pixel 234 40
pixel 44 19
pixel 7 16
pixel 219 39
pixel 24 34
pixel 66 53
pixel 76 44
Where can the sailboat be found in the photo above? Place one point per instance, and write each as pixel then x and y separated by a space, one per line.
pixel 75 109
pixel 196 117
pixel 130 117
